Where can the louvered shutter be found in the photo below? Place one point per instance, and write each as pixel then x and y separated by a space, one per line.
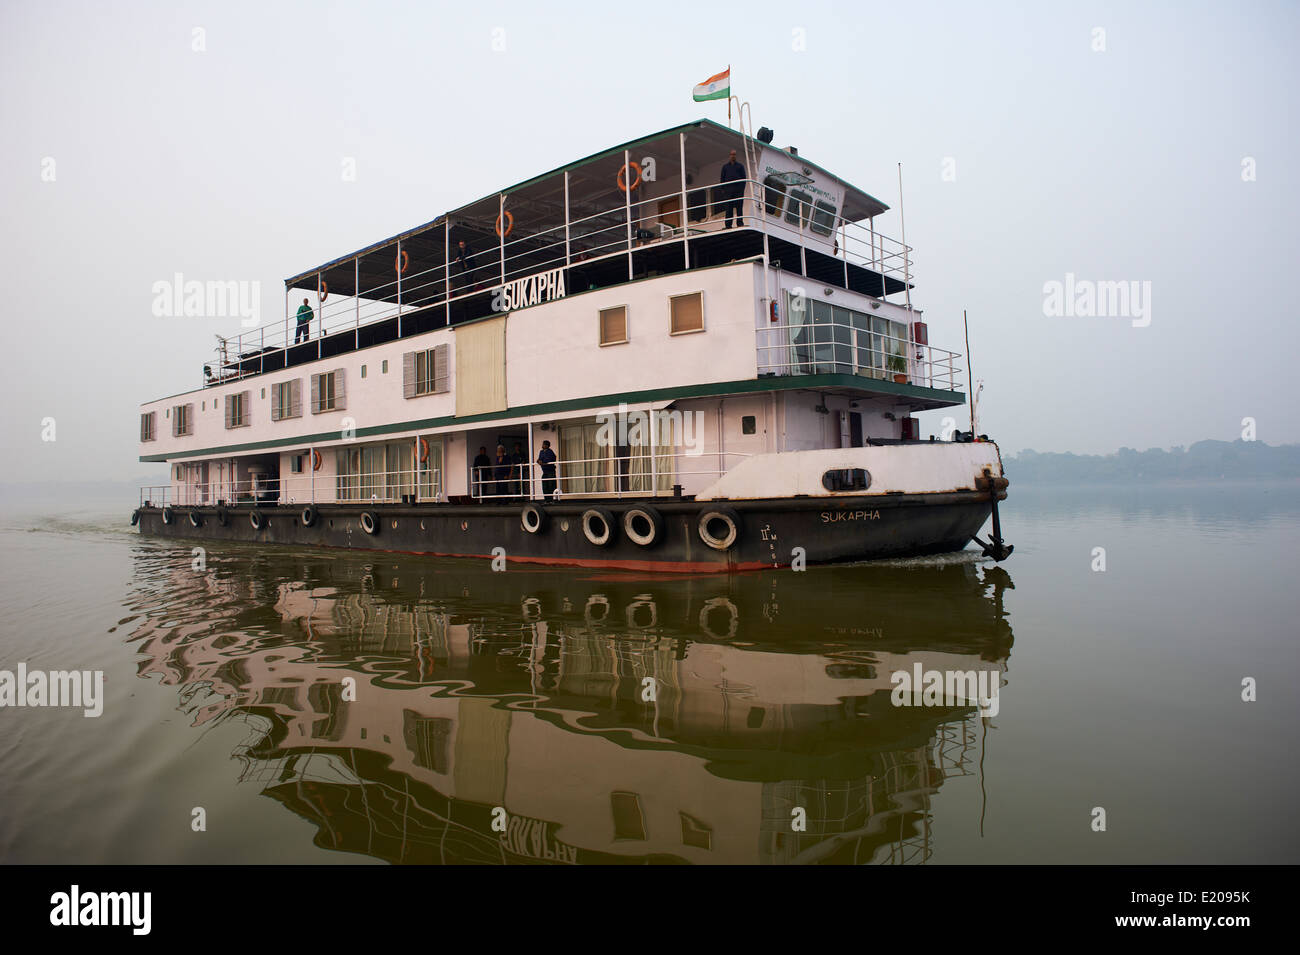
pixel 176 421
pixel 340 395
pixel 189 418
pixel 277 395
pixel 230 411
pixel 295 398
pixel 248 408
pixel 440 376
pixel 408 375
pixel 315 394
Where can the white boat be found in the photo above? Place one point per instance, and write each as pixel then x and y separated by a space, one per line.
pixel 727 375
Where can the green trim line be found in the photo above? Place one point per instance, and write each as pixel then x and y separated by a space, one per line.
pixel 867 386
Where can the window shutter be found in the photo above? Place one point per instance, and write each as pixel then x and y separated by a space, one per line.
pixel 340 395
pixel 176 421
pixel 315 394
pixel 408 374
pixel 295 398
pixel 277 408
pixel 440 369
pixel 248 408
pixel 230 410
pixel 189 418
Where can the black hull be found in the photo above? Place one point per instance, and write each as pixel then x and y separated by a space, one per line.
pixel 827 530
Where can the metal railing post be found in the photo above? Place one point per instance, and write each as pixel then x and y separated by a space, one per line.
pixel 685 221
pixel 627 207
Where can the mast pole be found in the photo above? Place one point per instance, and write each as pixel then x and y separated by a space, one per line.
pixel 969 380
pixel 907 259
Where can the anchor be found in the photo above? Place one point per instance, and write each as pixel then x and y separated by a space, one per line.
pixel 995 546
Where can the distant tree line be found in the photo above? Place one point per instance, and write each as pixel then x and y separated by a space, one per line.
pixel 1203 461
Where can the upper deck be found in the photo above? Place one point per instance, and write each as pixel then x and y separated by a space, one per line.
pixel 650 207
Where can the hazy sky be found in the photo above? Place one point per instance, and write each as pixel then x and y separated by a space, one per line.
pixel 1121 164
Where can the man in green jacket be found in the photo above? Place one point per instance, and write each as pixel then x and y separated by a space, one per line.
pixel 304 323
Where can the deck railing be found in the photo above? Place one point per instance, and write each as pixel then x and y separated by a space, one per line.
pixel 602 236
pixel 815 348
pixel 379 487
pixel 663 474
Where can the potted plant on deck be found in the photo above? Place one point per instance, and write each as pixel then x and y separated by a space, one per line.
pixel 898 366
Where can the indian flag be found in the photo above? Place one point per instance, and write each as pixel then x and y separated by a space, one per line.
pixel 717 86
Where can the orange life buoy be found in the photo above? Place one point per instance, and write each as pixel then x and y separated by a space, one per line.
pixel 510 224
pixel 424 450
pixel 315 460
pixel 403 262
pixel 621 178
pixel 323 291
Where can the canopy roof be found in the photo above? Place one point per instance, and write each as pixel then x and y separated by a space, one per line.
pixel 372 268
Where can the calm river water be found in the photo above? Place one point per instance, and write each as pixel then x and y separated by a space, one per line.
pixel 333 707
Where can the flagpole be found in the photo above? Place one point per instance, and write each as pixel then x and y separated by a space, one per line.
pixel 728 95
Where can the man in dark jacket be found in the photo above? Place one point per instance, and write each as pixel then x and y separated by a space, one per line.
pixel 517 462
pixel 733 190
pixel 546 458
pixel 482 472
pixel 502 472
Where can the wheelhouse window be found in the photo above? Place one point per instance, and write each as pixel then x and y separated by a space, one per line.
pixel 295 463
pixel 774 195
pixel 148 420
pixel 796 213
pixel 613 325
pixel 286 399
pixel 686 313
pixel 823 218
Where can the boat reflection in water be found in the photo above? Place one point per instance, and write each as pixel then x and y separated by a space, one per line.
pixel 596 720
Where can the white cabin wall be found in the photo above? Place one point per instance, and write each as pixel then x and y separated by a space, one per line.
pixel 552 354
pixel 553 351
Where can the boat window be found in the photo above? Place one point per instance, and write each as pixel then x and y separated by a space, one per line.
pixel 823 218
pixel 773 195
pixel 797 212
pixel 613 325
pixel 686 313
pixel 847 479
pixel 748 425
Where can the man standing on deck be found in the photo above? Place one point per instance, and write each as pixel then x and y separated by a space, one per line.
pixel 501 472
pixel 304 323
pixel 517 462
pixel 546 458
pixel 482 472
pixel 733 195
